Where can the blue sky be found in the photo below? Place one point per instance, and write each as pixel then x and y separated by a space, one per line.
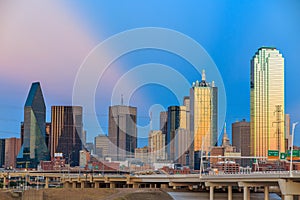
pixel 48 42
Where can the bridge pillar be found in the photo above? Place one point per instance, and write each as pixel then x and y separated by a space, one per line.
pixel 266 191
pixel 74 184
pixel 164 185
pixel 67 184
pixel 211 192
pixel 82 184
pixel 229 192
pixel 47 182
pixel 97 185
pixel 288 197
pixel 135 185
pixel 246 193
pixel 112 185
pixel 4 182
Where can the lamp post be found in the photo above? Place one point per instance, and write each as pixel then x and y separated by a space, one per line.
pixel 292 148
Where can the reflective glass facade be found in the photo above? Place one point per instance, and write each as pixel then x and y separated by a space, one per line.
pixel 34 148
pixel 267 102
pixel 66 129
pixel 204 115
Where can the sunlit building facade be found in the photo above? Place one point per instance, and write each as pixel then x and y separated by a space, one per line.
pixel 267 108
pixel 204 114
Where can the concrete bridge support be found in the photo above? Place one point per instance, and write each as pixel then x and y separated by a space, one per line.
pixel 112 185
pixel 47 182
pixel 289 189
pixel 266 192
pixel 229 192
pixel 211 192
pixel 246 195
pixel 4 182
pixel 67 185
pixel 97 185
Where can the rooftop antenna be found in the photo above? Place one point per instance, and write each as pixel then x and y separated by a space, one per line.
pixel 122 103
pixel 203 75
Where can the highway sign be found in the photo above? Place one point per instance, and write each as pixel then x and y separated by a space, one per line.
pixel 282 156
pixel 273 154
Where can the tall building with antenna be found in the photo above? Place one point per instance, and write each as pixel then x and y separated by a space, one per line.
pixel 122 131
pixel 203 116
pixel 267 102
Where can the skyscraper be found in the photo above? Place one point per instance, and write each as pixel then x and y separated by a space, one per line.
pixel 173 125
pixel 2 152
pixel 163 122
pixel 34 148
pixel 12 147
pixel 156 145
pixel 288 137
pixel 241 140
pixel 267 102
pixel 101 145
pixel 66 129
pixel 122 132
pixel 204 114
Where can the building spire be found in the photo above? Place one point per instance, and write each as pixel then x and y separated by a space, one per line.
pixel 226 141
pixel 122 102
pixel 203 75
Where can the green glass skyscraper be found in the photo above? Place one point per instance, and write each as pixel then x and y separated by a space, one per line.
pixel 34 148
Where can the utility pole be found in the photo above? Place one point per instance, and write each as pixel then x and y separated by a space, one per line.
pixel 278 112
pixel 292 148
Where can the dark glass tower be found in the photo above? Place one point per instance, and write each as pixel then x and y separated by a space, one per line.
pixel 66 130
pixel 172 125
pixel 2 152
pixel 34 148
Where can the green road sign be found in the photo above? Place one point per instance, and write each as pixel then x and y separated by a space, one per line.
pixel 273 153
pixel 296 153
pixel 282 156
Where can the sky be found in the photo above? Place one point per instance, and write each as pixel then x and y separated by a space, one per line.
pixel 48 41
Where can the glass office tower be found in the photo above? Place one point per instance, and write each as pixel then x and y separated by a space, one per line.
pixel 34 148
pixel 267 102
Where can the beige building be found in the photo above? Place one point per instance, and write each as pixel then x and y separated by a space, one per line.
pixel 267 102
pixel 156 144
pixel 101 146
pixel 141 154
pixel 182 143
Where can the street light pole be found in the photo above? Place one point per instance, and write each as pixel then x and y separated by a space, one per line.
pixel 292 148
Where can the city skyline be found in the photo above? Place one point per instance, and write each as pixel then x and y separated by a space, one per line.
pixel 194 20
